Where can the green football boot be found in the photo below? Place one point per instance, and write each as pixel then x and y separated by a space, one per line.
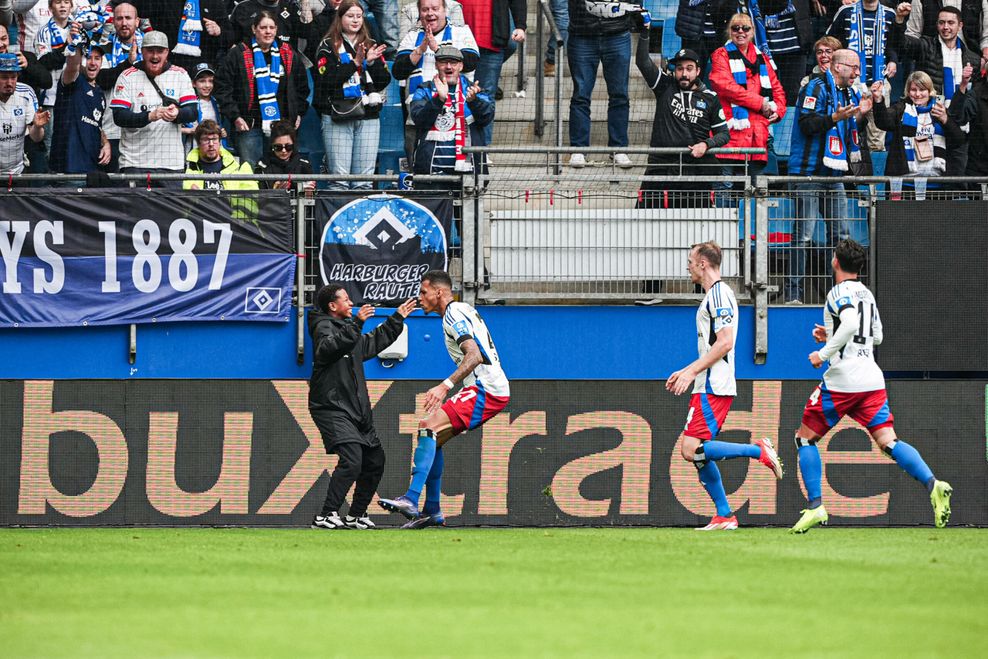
pixel 810 518
pixel 940 498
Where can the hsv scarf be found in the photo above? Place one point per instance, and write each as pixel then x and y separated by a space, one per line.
pixel 189 30
pixel 739 115
pixel 428 61
pixel 761 36
pixel 351 88
pixel 953 68
pixel 462 117
pixel 919 121
pixel 267 84
pixel 874 68
pixel 56 38
pixel 121 51
pixel 841 143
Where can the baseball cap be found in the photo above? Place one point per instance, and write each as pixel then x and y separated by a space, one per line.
pixel 449 52
pixel 155 39
pixel 684 53
pixel 9 63
pixel 202 68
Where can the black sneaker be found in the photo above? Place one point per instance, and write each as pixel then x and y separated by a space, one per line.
pixel 425 521
pixel 362 523
pixel 330 522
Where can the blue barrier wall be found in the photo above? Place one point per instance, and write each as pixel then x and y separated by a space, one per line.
pixel 564 343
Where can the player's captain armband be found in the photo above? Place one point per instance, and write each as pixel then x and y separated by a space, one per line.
pixel 844 303
pixel 461 328
pixel 723 312
pixel 809 103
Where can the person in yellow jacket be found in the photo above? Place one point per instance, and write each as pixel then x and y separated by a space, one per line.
pixel 209 157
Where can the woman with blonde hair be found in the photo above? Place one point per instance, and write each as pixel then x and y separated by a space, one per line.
pixel 350 75
pixel 923 135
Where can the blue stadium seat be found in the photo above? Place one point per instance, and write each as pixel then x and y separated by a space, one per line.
pixel 391 147
pixel 782 135
pixel 671 42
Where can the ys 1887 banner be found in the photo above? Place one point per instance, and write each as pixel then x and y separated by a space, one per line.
pixel 379 246
pixel 113 257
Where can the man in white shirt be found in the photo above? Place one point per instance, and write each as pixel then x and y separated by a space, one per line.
pixel 19 116
pixel 714 386
pixel 151 101
pixel 853 386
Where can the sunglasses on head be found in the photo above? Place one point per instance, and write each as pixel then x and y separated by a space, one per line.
pixel 283 147
pixel 740 28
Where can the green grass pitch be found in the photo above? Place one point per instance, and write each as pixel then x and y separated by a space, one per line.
pixel 493 592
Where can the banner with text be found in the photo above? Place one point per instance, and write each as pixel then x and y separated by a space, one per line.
pixel 379 246
pixel 564 453
pixel 101 257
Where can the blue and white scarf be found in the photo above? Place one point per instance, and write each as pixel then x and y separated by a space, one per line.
pixel 739 116
pixel 919 121
pixel 120 51
pixel 56 37
pixel 871 70
pixel 351 87
pixel 189 30
pixel 841 145
pixel 429 58
pixel 953 68
pixel 267 84
pixel 761 35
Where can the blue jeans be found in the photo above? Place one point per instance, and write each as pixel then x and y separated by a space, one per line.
pixel 560 13
pixel 815 202
pixel 351 148
pixel 585 54
pixel 487 75
pixel 722 190
pixel 386 14
pixel 252 145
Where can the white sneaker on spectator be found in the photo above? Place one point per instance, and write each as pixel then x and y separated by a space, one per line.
pixel 622 160
pixel 577 161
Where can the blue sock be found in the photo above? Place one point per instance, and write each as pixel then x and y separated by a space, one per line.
pixel 710 478
pixel 425 452
pixel 812 471
pixel 433 484
pixel 715 450
pixel 912 463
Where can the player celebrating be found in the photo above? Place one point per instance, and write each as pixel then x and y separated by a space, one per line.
pixel 853 385
pixel 484 394
pixel 715 386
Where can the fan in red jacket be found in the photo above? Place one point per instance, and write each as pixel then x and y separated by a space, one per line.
pixel 749 89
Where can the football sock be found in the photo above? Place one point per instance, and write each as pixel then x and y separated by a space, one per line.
pixel 912 463
pixel 812 471
pixel 710 478
pixel 715 450
pixel 433 484
pixel 425 452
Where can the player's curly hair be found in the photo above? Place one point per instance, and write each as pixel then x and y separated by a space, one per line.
pixel 850 256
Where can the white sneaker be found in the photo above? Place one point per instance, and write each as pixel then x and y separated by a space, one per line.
pixel 363 523
pixel 577 161
pixel 331 522
pixel 622 160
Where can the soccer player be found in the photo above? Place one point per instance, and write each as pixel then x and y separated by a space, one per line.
pixel 485 392
pixel 714 386
pixel 853 385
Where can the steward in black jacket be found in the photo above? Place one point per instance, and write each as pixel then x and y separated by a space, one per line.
pixel 339 403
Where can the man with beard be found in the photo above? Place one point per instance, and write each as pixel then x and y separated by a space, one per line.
pixel 151 101
pixel 19 116
pixel 687 115
pixel 78 144
pixel 121 47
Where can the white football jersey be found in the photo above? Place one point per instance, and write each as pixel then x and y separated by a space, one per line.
pixel 42 46
pixel 15 117
pixel 159 144
pixel 854 328
pixel 461 322
pixel 718 310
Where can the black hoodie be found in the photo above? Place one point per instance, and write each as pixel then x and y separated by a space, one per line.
pixel 338 400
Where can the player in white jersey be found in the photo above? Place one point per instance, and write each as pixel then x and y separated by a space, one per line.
pixel 19 116
pixel 151 101
pixel 853 386
pixel 714 386
pixel 485 392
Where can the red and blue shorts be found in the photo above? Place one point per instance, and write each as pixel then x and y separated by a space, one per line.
pixel 471 407
pixel 825 408
pixel 706 416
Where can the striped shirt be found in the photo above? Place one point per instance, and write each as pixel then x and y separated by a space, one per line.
pixel 718 310
pixel 462 322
